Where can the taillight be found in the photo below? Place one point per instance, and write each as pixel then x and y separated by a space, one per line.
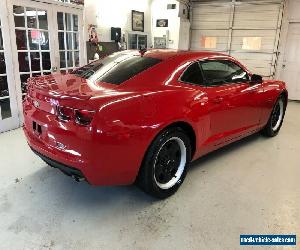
pixel 81 117
pixel 84 117
pixel 65 113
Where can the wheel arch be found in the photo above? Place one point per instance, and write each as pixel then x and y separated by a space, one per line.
pixel 185 126
pixel 285 94
pixel 188 129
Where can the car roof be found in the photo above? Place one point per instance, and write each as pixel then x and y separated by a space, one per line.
pixel 178 55
pixel 172 61
pixel 165 54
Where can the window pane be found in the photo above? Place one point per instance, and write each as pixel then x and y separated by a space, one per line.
pixel 35 61
pixel 31 18
pixel 62 59
pixel 142 40
pixel 132 41
pixel 68 21
pixel 37 38
pixel 23 79
pixel 2 63
pixel 60 20
pixel 76 58
pixel 5 111
pixel 192 74
pixel 34 39
pixel 251 43
pixel 208 42
pixel 70 59
pixel 44 40
pixel 46 60
pixel 3 86
pixel 19 16
pixel 61 40
pixel 116 69
pixel 43 19
pixel 218 72
pixel 36 74
pixel 69 40
pixel 75 40
pixel 23 61
pixel 21 39
pixel 1 41
pixel 75 22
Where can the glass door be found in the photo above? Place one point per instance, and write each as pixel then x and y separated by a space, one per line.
pixel 33 43
pixel 69 34
pixel 46 38
pixel 142 41
pixel 9 118
pixel 137 41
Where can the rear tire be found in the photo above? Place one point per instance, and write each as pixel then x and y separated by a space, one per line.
pixel 276 118
pixel 165 164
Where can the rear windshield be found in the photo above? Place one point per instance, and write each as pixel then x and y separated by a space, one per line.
pixel 116 68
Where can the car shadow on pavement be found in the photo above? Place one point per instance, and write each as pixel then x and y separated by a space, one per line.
pixel 228 149
pixel 58 183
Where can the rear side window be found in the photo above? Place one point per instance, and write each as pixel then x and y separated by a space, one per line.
pixel 116 70
pixel 223 72
pixel 192 74
pixel 127 69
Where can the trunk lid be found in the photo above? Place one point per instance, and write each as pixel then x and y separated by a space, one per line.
pixel 48 92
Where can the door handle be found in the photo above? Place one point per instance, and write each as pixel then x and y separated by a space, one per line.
pixel 218 99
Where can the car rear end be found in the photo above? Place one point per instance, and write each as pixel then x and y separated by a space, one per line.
pixel 59 129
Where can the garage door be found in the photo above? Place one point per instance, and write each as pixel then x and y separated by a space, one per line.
pixel 247 30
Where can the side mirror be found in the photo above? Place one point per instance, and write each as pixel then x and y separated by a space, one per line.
pixel 256 79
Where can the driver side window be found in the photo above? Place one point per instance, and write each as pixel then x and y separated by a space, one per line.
pixel 218 72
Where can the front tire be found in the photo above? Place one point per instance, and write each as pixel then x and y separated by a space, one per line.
pixel 276 118
pixel 165 164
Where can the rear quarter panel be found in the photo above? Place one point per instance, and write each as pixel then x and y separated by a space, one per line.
pixel 126 127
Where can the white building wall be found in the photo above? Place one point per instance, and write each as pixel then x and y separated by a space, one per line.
pixel 116 13
pixel 178 29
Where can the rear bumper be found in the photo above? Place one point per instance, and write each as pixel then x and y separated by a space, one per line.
pixel 67 170
pixel 87 152
pixel 68 163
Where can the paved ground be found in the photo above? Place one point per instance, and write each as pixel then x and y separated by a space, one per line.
pixel 249 187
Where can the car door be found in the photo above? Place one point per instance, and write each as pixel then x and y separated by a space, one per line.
pixel 232 100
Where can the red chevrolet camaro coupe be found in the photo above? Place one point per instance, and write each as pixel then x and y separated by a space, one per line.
pixel 144 116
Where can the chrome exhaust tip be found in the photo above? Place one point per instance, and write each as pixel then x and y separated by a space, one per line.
pixel 77 178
